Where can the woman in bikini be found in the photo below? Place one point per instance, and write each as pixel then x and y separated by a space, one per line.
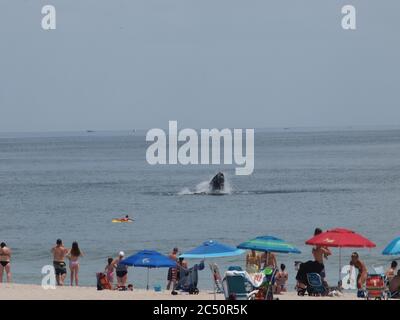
pixel 253 262
pixel 5 256
pixel 109 270
pixel 73 255
pixel 362 269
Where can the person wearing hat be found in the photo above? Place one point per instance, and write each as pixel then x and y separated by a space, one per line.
pixel 121 270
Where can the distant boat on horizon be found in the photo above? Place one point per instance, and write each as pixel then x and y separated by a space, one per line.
pixel 90 131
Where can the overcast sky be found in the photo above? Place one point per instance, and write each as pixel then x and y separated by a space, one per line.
pixel 124 64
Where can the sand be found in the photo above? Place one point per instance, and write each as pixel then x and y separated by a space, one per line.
pixel 36 292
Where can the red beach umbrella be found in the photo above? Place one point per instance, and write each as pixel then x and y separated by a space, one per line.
pixel 340 238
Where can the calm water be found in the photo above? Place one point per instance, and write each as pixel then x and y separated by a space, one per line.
pixel 70 186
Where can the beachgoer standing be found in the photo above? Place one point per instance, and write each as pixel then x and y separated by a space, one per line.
pixel 253 262
pixel 268 260
pixel 121 270
pixel 281 280
pixel 320 253
pixel 59 252
pixel 109 270
pixel 5 262
pixel 362 270
pixel 73 255
pixel 172 272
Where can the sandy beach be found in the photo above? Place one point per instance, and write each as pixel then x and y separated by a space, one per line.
pixel 36 292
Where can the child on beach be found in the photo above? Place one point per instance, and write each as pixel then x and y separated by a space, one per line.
pixel 109 270
pixel 281 280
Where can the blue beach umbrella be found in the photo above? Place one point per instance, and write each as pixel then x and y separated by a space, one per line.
pixel 393 248
pixel 149 259
pixel 269 244
pixel 212 249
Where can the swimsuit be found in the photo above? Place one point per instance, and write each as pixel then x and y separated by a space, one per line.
pixel 59 267
pixel 73 263
pixel 122 270
pixel 4 263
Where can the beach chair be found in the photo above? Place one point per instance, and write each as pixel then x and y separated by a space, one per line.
pixel 217 278
pixel 315 286
pixel 238 286
pixel 376 287
pixel 269 282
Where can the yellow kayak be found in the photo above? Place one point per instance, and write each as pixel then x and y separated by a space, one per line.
pixel 121 220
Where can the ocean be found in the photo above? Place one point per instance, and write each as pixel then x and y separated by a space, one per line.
pixel 70 186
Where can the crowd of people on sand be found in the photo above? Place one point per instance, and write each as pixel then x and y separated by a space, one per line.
pixel 255 262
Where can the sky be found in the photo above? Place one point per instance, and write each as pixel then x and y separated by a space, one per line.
pixel 125 64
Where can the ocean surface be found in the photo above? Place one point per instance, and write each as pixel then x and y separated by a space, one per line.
pixel 70 186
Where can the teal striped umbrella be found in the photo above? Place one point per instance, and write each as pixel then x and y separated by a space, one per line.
pixel 269 244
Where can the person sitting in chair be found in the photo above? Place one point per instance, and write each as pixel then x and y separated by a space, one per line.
pixel 394 286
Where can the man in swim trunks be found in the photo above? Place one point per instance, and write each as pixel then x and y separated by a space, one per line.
pixel 59 252
pixel 5 255
pixel 362 269
pixel 320 253
pixel 172 276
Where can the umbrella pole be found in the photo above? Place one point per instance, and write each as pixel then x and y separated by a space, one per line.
pixel 340 265
pixel 148 271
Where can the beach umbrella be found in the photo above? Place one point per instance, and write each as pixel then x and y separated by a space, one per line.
pixel 149 259
pixel 212 249
pixel 393 248
pixel 340 238
pixel 269 244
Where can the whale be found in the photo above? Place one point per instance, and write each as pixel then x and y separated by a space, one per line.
pixel 217 182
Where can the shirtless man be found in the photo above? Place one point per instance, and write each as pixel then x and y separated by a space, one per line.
pixel 5 255
pixel 362 269
pixel 320 253
pixel 59 252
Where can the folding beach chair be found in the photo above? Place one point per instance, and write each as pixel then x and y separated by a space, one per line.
pixel 217 278
pixel 237 286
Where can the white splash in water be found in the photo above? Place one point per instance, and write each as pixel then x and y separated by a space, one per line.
pixel 204 188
